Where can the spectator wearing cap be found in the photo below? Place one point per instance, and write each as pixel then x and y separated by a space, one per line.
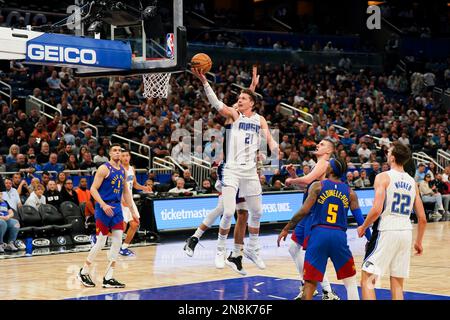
pixel 11 195
pixel 52 164
pixel 420 173
pixel 36 198
pixel 68 193
pixel 430 195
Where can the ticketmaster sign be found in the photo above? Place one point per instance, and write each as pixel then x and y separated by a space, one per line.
pixel 187 213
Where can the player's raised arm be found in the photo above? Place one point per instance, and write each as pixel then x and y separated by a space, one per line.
pixel 422 222
pixel 100 175
pixel 356 212
pixel 303 212
pixel 223 109
pixel 315 174
pixel 380 186
pixel 255 78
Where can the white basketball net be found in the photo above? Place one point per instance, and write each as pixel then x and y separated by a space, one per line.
pixel 156 85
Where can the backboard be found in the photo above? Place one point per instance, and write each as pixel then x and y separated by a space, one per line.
pixel 154 29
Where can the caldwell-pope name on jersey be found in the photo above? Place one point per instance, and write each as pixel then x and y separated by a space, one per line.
pixel 333 193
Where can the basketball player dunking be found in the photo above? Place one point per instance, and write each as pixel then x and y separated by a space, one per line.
pixel 127 216
pixel 238 171
pixel 327 203
pixel 389 250
pixel 108 191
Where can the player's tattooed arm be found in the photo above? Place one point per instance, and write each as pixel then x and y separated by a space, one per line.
pixel 313 194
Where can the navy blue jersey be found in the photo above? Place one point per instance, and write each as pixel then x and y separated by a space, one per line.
pixel 332 205
pixel 112 186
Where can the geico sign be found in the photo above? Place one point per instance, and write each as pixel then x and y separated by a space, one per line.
pixel 61 54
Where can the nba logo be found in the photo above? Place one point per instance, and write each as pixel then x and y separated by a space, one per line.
pixel 170 46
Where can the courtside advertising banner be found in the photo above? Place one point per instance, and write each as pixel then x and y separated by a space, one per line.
pixel 187 213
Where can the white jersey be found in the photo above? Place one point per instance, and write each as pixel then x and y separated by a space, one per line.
pixel 399 202
pixel 242 142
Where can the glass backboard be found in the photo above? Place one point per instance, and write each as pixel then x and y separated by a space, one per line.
pixel 157 40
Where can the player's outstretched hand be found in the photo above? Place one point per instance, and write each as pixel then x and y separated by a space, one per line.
pixel 419 249
pixel 283 234
pixel 108 210
pixel 255 78
pixel 198 73
pixel 361 231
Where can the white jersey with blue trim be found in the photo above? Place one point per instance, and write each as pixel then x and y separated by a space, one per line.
pixel 242 142
pixel 398 203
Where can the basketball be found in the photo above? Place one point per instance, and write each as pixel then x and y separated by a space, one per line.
pixel 201 61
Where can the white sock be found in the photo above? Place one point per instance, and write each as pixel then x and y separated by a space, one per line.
pixel 109 271
pixel 238 249
pixel 125 245
pixel 198 233
pixel 221 241
pixel 352 288
pixel 253 241
pixel 326 284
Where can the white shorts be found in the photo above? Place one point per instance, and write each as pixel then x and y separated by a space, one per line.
pixel 247 184
pixel 127 216
pixel 240 202
pixel 390 253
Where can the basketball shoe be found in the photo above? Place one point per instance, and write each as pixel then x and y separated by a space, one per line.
pixel 85 279
pixel 236 264
pixel 253 255
pixel 220 258
pixel 189 247
pixel 112 283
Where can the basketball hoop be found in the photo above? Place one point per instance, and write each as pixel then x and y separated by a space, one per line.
pixel 156 85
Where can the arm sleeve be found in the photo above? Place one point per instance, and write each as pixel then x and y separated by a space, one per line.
pixel 212 98
pixel 360 220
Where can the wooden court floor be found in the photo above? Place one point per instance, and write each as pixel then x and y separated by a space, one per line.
pixel 165 264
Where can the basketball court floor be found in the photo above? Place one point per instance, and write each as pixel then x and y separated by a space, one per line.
pixel 164 272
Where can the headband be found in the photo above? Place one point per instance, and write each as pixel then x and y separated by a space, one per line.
pixel 335 168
